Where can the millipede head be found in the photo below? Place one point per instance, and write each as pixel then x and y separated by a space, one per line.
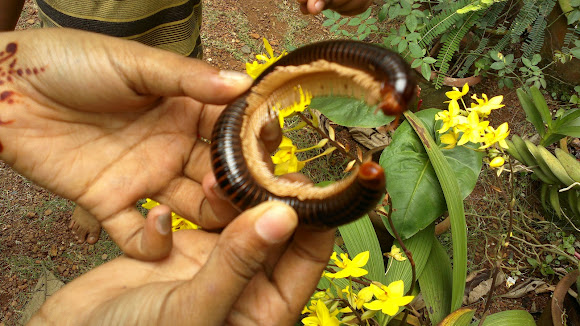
pixel 372 176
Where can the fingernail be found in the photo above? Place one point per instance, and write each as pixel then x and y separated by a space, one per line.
pixel 231 76
pixel 319 6
pixel 276 224
pixel 164 224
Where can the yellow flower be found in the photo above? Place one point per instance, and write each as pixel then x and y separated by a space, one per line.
pixel 349 267
pixel 305 98
pixel 177 222
pixel 498 136
pixel 358 300
pixel 389 298
pixel 484 106
pixel 322 316
pixel 451 117
pixel 472 129
pixel 456 94
pixel 255 68
pixel 450 139
pixel 286 160
pixel 497 162
pixel 396 252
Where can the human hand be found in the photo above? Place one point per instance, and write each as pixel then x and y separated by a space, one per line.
pixel 343 7
pixel 105 122
pixel 247 275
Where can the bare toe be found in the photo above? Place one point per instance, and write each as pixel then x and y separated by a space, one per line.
pixel 85 226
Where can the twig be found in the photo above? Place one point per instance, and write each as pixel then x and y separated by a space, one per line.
pixel 324 135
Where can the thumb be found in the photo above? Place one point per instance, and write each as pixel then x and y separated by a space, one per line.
pixel 240 253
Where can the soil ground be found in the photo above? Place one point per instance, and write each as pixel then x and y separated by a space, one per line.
pixel 33 222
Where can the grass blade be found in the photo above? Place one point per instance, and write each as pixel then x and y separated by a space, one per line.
pixel 454 202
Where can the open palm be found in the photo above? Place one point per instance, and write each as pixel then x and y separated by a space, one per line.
pixel 105 122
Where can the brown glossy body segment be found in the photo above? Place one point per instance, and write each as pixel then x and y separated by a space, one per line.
pixel 351 202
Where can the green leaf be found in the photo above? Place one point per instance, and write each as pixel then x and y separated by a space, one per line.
pixel 541 105
pixel 429 60
pixel 411 22
pixel 448 179
pixel 426 71
pixel 420 247
pixel 354 21
pixel 394 11
pixel 360 236
pixel 494 55
pixel 497 65
pixel 576 52
pixel 350 112
pixel 416 50
pixel 532 113
pixel 435 283
pixel 416 63
pixel 569 123
pixel 328 22
pixel 402 46
pixel 510 318
pixel 383 12
pixel 527 62
pixel 365 14
pixel 411 181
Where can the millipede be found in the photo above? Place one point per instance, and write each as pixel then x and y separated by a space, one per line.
pixel 338 68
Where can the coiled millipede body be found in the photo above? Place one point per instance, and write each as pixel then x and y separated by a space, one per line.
pixel 339 68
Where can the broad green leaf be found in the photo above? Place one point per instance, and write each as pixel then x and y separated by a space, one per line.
pixel 569 123
pixel 541 105
pixel 350 112
pixel 448 179
pixel 420 247
pixel 436 283
pixel 460 317
pixel 411 181
pixel 360 236
pixel 510 318
pixel 532 113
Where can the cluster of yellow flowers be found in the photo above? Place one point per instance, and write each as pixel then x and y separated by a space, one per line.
pixel 469 124
pixel 285 160
pixel 325 307
pixel 177 222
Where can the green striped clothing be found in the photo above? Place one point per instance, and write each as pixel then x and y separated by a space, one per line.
pixel 172 25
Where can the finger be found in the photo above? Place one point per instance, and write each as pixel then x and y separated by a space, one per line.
pixel 144 239
pixel 158 72
pixel 271 135
pixel 216 203
pixel 199 162
pixel 239 255
pixel 315 7
pixel 307 255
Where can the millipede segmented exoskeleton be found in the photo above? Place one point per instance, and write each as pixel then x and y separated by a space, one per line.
pixel 340 68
